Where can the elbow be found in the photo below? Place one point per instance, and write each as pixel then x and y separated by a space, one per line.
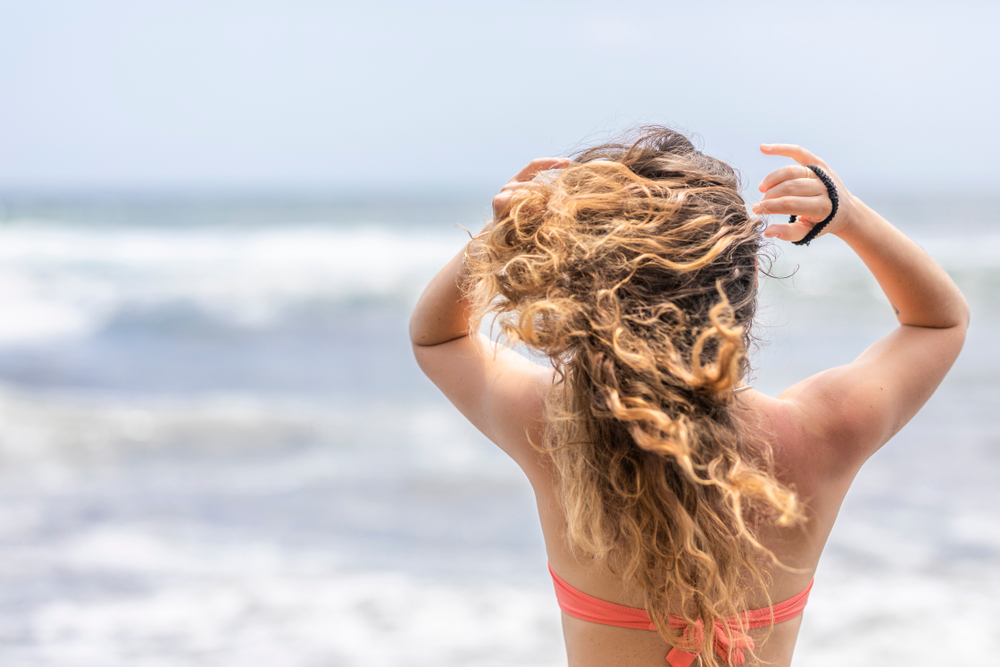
pixel 414 328
pixel 418 330
pixel 960 317
pixel 964 313
pixel 424 335
pixel 431 326
pixel 955 315
pixel 418 349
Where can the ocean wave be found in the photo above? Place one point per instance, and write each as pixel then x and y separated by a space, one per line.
pixel 63 282
pixel 257 603
pixel 67 434
pixel 68 282
pixel 829 269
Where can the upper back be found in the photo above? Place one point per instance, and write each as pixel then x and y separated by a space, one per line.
pixel 798 464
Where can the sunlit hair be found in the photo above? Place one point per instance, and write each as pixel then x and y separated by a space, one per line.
pixel 634 271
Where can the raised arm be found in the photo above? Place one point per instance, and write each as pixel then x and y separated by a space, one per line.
pixel 498 390
pixel 855 409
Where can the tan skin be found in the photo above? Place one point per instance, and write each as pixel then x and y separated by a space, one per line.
pixel 822 429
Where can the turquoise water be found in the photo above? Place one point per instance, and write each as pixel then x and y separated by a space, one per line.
pixel 215 448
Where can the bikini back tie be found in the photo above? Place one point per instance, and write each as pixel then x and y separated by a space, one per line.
pixel 729 639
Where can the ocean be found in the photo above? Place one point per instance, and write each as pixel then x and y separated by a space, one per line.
pixel 216 449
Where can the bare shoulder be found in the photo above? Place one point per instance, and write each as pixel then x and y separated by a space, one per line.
pixel 829 424
pixel 806 456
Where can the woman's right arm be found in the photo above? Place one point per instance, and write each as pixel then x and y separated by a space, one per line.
pixel 856 408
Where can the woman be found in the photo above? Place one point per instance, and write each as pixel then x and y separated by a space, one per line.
pixel 684 513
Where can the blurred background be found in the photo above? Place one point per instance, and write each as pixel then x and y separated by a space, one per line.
pixel 215 448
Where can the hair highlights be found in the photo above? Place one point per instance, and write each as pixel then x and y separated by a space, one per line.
pixel 634 271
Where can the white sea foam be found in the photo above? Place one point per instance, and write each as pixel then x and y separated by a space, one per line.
pixel 67 281
pixel 257 604
pixel 828 268
pixel 900 616
pixel 260 604
pixel 67 434
pixel 191 593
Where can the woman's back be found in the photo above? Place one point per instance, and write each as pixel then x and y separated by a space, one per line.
pixel 661 484
pixel 592 644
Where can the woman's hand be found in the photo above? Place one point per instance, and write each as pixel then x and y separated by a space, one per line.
pixel 524 179
pixel 796 190
pixel 442 313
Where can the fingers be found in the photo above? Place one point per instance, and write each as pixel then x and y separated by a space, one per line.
pixel 519 185
pixel 537 166
pixel 796 190
pixel 506 192
pixel 525 179
pixel 509 189
pixel 788 173
pixel 810 208
pixel 793 232
pixel 797 187
pixel 797 153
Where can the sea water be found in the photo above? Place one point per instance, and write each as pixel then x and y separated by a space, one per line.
pixel 216 449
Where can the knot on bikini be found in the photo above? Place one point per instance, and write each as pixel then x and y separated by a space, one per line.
pixel 729 640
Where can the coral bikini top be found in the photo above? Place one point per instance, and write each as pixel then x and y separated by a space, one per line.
pixel 729 640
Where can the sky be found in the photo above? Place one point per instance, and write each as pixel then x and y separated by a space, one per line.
pixel 445 97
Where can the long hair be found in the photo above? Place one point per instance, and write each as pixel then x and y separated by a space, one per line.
pixel 633 271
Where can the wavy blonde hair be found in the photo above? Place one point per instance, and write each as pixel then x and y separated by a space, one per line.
pixel 633 271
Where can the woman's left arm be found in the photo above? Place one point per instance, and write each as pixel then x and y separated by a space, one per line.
pixel 498 390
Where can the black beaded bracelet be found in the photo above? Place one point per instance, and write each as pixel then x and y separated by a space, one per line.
pixel 834 199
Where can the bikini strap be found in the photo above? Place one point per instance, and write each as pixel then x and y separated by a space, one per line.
pixel 729 638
